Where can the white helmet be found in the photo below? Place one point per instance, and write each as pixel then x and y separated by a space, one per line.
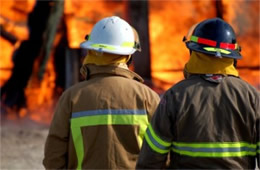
pixel 112 35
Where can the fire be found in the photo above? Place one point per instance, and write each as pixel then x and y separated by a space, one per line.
pixel 244 17
pixel 39 94
pixel 82 15
pixel 6 64
pixel 169 21
pixel 13 18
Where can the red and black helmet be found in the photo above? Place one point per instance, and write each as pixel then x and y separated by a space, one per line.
pixel 214 37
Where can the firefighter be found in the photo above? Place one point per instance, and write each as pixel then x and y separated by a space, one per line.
pixel 100 123
pixel 210 119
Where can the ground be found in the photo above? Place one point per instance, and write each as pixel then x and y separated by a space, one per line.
pixel 22 144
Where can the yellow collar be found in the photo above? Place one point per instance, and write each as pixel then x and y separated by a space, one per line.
pixel 97 58
pixel 200 63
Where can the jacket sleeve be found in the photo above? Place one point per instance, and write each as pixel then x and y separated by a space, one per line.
pixel 56 146
pixel 157 140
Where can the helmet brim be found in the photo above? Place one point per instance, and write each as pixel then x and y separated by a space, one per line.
pixel 200 48
pixel 117 49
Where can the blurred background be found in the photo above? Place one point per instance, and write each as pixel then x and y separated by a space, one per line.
pixel 40 55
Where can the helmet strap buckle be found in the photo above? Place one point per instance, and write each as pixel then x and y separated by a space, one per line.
pixel 218 53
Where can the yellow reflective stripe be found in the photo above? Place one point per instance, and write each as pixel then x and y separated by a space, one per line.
pixel 215 149
pixel 159 140
pixel 78 143
pixel 153 146
pixel 109 119
pixel 216 49
pixel 109 47
pixel 214 154
pixel 127 44
pixel 155 143
pixel 215 144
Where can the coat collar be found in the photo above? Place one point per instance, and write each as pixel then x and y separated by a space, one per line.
pixel 90 70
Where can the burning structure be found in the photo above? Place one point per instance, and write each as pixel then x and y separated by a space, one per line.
pixel 40 55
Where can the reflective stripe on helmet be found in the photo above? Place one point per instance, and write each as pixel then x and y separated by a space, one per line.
pixel 212 49
pixel 228 46
pixel 105 117
pixel 128 44
pixel 214 150
pixel 203 41
pixel 213 43
pixel 111 47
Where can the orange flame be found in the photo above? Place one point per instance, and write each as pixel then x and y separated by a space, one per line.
pixel 82 15
pixel 169 21
pixel 244 17
pixel 40 95
pixel 13 19
pixel 6 64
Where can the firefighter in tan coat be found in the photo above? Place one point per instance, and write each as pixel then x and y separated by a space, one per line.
pixel 100 123
pixel 210 120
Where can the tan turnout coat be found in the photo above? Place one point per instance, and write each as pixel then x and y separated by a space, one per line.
pixel 99 123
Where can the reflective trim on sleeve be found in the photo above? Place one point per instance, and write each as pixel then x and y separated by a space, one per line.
pixel 224 149
pixel 156 143
pixel 105 117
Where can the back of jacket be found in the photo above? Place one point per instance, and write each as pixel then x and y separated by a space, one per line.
pixel 100 123
pixel 205 125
